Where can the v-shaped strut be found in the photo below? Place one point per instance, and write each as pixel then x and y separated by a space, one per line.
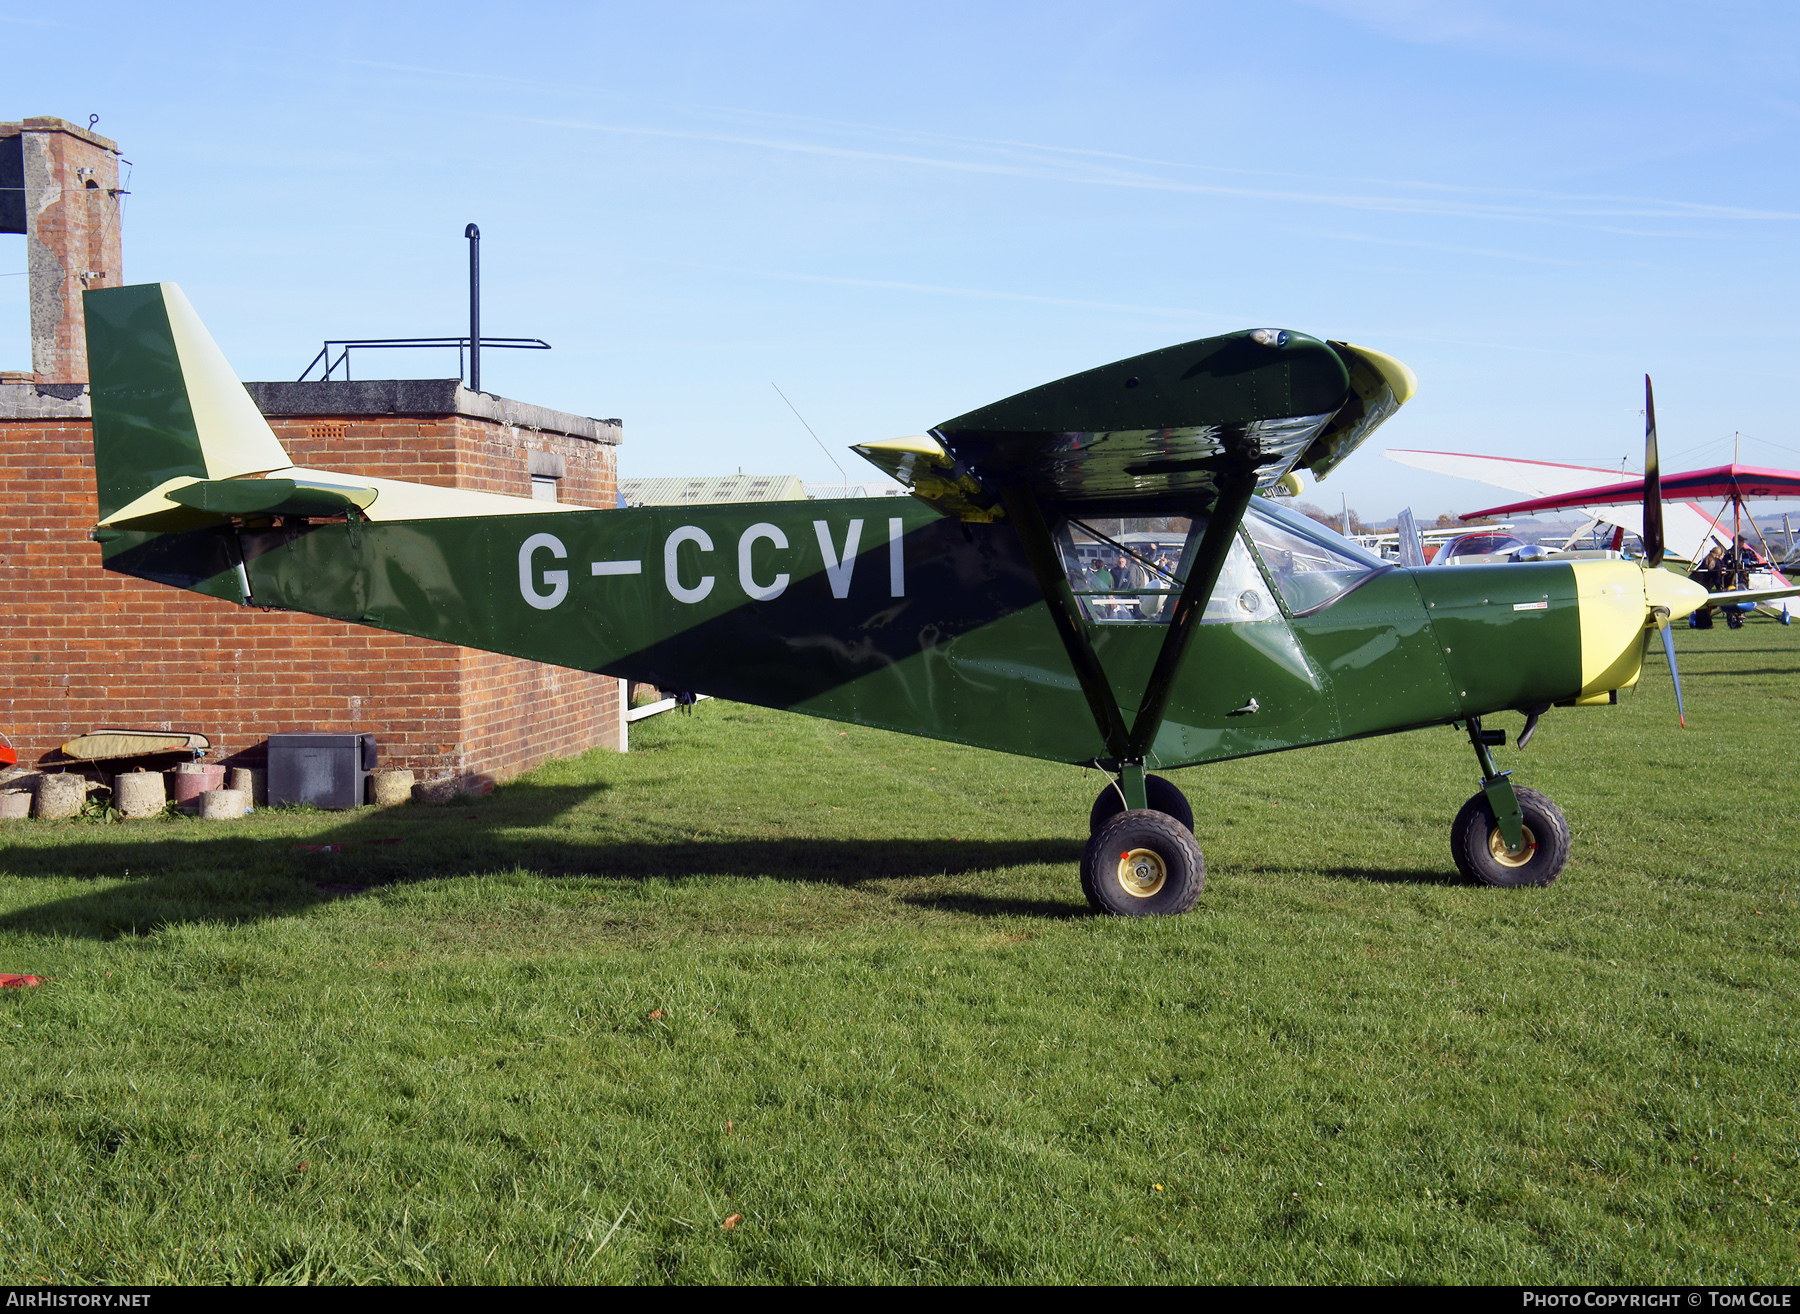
pixel 1128 746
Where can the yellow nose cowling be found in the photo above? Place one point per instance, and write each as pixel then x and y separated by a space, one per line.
pixel 1618 601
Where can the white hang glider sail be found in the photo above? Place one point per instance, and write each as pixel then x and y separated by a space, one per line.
pixel 1689 529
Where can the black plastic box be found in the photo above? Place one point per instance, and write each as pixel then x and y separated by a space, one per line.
pixel 325 770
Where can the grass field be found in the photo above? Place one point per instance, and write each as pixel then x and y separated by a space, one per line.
pixel 843 984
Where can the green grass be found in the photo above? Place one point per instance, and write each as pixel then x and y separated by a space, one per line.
pixel 843 983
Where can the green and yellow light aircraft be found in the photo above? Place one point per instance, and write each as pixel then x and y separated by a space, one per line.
pixel 1084 573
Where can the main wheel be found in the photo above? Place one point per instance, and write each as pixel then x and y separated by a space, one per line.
pixel 1159 793
pixel 1481 853
pixel 1142 863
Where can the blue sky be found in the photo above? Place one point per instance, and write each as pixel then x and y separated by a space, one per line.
pixel 897 213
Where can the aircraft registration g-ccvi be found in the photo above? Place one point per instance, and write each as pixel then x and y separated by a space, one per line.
pixel 1084 573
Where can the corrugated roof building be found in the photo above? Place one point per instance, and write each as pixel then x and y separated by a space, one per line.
pixel 873 488
pixel 712 489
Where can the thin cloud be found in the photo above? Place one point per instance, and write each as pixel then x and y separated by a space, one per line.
pixel 1551 38
pixel 1487 252
pixel 982 294
pixel 1048 162
pixel 1053 171
pixel 1700 209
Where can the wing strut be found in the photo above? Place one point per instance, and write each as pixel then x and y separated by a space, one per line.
pixel 1203 577
pixel 1128 747
pixel 1028 519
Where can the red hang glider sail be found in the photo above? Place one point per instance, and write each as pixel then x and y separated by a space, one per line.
pixel 1735 482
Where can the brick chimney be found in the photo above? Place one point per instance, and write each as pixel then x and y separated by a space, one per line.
pixel 69 178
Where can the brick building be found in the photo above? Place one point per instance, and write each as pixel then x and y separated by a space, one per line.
pixel 86 648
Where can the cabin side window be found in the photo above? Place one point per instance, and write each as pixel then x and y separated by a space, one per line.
pixel 1311 565
pixel 1130 571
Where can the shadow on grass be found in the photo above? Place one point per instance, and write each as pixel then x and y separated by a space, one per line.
pixel 1396 876
pixel 982 906
pixel 195 875
pixel 1754 670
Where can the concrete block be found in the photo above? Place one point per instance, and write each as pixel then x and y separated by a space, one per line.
pixel 60 796
pixel 253 781
pixel 223 804
pixel 15 804
pixel 17 777
pixel 139 794
pixel 446 790
pixel 388 788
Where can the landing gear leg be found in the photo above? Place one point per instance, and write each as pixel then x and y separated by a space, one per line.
pixel 1141 861
pixel 1504 835
pixel 1159 795
pixel 1131 784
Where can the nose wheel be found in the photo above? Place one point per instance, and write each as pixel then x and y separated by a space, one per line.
pixel 1482 853
pixel 1505 835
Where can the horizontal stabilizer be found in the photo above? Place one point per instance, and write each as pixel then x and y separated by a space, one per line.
pixel 283 497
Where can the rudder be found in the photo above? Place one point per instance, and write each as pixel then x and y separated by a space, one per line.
pixel 166 403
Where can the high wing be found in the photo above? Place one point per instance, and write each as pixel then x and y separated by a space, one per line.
pixel 1167 424
pixel 1687 527
pixel 1734 482
pixel 1537 478
pixel 1195 430
pixel 1753 595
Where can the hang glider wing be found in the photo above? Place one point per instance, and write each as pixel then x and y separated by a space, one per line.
pixel 1609 496
pixel 1687 527
pixel 1536 478
pixel 1734 482
pixel 1167 423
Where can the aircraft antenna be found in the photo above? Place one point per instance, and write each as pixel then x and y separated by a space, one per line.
pixel 815 437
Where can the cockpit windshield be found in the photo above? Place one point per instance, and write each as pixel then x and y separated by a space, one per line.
pixel 1311 565
pixel 1130 571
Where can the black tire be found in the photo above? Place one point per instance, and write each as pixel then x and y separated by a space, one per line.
pixel 1142 863
pixel 1161 795
pixel 1481 855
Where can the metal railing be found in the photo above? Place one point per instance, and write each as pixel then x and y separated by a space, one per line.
pixel 342 347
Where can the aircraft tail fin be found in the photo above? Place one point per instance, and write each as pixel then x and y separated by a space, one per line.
pixel 166 404
pixel 1412 551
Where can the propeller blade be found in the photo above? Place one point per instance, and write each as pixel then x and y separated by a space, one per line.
pixel 1668 632
pixel 1653 508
